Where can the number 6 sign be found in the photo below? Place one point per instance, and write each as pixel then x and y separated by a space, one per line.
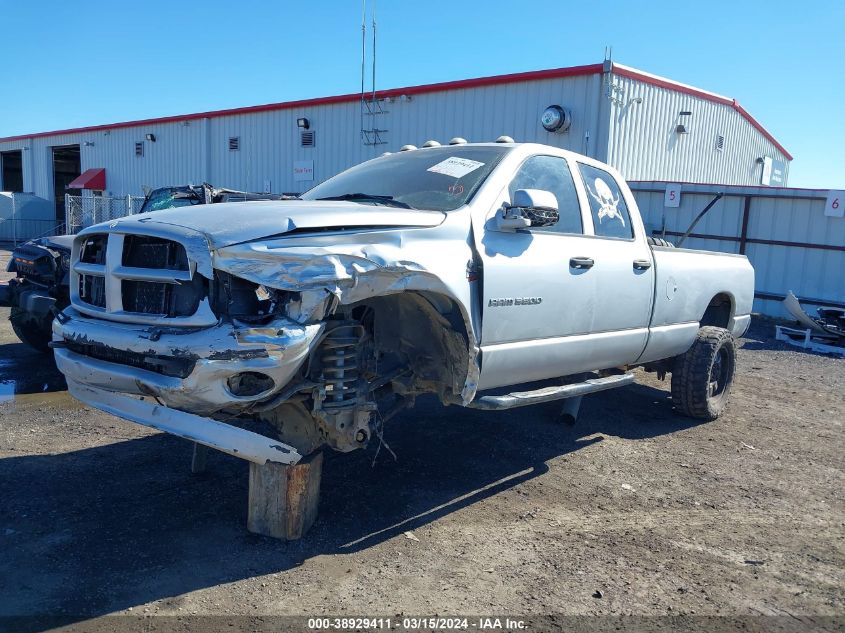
pixel 835 205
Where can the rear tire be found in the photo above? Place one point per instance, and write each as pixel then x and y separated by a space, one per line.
pixel 36 335
pixel 702 377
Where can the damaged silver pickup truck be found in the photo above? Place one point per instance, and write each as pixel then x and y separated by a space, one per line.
pixel 457 270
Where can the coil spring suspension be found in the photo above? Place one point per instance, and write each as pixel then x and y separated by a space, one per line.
pixel 339 356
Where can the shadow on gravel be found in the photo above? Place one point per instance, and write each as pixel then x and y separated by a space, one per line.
pixel 102 529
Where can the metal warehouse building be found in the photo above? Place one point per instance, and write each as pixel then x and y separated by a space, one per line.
pixel 650 128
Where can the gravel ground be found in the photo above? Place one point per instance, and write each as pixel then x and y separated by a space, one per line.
pixel 634 511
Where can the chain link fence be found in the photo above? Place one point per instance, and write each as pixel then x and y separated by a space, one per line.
pixel 84 211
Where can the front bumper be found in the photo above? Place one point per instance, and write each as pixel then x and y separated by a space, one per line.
pixel 217 353
pixel 223 437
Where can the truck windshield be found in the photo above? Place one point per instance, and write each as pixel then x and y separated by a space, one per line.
pixel 435 178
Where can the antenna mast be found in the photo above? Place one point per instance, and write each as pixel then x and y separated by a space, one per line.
pixel 363 57
pixel 374 50
pixel 371 105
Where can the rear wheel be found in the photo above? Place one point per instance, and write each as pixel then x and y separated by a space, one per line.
pixel 702 377
pixel 36 334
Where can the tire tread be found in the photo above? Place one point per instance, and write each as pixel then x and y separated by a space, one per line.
pixel 691 374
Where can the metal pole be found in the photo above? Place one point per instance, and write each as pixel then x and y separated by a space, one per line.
pixel 68 230
pixel 14 227
pixel 363 58
pixel 374 51
pixel 698 217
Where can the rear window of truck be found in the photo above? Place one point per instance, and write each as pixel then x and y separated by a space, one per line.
pixel 607 204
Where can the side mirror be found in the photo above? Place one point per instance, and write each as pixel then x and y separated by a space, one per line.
pixel 530 207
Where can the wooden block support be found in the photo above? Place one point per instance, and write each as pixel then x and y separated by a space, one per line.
pixel 199 457
pixel 283 499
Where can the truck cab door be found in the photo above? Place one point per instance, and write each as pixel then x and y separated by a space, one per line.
pixel 624 272
pixel 560 300
pixel 532 295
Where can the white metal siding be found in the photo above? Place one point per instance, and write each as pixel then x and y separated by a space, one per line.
pixel 638 139
pixel 197 150
pixel 644 145
pixel 783 215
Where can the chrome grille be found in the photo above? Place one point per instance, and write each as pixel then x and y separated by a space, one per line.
pixel 139 279
pixel 141 251
pixel 92 290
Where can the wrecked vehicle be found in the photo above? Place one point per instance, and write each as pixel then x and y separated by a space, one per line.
pixel 824 334
pixel 466 271
pixel 40 287
pixel 189 195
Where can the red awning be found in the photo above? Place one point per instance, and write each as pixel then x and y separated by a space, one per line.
pixel 90 179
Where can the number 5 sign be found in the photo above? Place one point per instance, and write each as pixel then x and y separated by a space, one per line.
pixel 672 197
pixel 835 205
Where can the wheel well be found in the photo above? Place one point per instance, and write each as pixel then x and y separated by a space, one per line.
pixel 718 312
pixel 426 331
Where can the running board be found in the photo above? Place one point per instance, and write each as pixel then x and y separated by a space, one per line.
pixel 547 394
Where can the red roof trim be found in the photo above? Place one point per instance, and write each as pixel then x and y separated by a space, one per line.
pixel 701 94
pixel 494 80
pixel 94 179
pixel 554 73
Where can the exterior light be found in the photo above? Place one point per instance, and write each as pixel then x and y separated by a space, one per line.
pixel 681 128
pixel 150 137
pixel 556 119
pixel 303 123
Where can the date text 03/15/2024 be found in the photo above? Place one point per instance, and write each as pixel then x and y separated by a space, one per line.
pixel 417 623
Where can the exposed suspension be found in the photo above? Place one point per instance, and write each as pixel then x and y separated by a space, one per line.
pixel 341 401
pixel 340 355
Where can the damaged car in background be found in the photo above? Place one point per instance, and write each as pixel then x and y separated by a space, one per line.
pixel 466 271
pixel 824 334
pixel 40 287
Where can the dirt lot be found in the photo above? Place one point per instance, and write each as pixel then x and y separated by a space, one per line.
pixel 513 513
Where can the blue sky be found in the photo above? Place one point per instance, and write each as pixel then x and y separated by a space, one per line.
pixel 69 64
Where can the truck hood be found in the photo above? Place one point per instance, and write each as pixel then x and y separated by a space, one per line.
pixel 231 223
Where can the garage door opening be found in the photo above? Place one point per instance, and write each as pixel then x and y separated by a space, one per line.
pixel 11 171
pixel 66 168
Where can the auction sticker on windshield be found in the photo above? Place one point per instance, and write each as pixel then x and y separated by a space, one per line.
pixel 455 167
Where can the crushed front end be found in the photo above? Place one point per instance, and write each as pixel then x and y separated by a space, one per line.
pixel 158 335
pixel 151 322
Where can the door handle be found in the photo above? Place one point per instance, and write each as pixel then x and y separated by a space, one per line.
pixel 581 263
pixel 642 264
